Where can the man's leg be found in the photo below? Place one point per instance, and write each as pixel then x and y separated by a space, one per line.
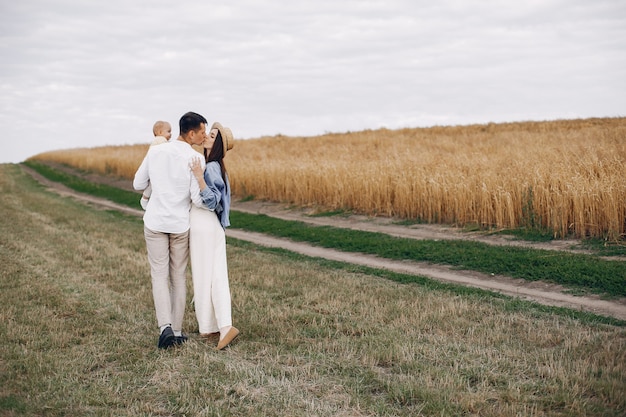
pixel 157 245
pixel 179 253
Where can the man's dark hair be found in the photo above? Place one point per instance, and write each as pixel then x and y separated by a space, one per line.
pixel 190 121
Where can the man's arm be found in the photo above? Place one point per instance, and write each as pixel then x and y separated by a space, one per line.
pixel 142 179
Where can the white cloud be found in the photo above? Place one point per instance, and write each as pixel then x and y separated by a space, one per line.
pixel 88 74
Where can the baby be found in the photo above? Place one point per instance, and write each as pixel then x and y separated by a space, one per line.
pixel 162 133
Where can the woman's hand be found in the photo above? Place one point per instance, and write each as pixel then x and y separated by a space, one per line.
pixel 198 172
pixel 196 168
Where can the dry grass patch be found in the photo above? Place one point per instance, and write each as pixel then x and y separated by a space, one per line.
pixel 80 338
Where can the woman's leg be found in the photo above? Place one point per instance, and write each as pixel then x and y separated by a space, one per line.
pixel 200 249
pixel 221 287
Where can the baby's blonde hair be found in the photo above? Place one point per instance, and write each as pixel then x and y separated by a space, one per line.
pixel 158 127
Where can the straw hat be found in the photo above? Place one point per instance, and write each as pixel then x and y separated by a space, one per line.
pixel 227 136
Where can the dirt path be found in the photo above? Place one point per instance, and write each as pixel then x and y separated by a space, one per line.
pixel 548 294
pixel 387 226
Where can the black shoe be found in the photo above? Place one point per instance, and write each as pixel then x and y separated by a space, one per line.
pixel 167 338
pixel 180 339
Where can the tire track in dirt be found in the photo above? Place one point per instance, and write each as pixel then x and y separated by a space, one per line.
pixel 540 292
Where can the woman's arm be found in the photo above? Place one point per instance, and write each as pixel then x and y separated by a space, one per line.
pixel 210 183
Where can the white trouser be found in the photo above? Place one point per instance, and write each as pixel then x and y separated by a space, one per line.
pixel 209 271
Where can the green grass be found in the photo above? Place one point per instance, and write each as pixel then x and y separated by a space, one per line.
pixel 78 334
pixel 514 304
pixel 576 271
pixel 605 247
pixel 529 234
pixel 331 213
pixel 114 194
pixel 600 247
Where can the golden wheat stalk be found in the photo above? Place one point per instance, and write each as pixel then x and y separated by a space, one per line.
pixel 564 176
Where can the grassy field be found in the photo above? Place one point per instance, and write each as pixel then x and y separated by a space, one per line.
pixel 563 178
pixel 79 334
pixel 582 273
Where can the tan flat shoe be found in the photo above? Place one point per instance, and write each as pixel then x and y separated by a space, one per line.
pixel 210 337
pixel 230 336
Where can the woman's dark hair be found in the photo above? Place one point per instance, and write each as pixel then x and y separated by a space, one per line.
pixel 190 121
pixel 217 154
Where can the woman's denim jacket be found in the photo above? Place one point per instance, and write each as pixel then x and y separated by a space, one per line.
pixel 216 196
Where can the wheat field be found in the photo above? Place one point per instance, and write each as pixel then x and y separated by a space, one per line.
pixel 567 177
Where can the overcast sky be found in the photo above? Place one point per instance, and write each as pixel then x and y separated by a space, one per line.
pixel 77 73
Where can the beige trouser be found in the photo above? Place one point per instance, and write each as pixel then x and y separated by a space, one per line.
pixel 168 254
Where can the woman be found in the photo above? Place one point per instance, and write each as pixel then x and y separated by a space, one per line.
pixel 207 240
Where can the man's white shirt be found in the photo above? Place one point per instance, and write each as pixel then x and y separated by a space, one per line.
pixel 174 187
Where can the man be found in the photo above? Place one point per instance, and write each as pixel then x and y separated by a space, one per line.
pixel 166 222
